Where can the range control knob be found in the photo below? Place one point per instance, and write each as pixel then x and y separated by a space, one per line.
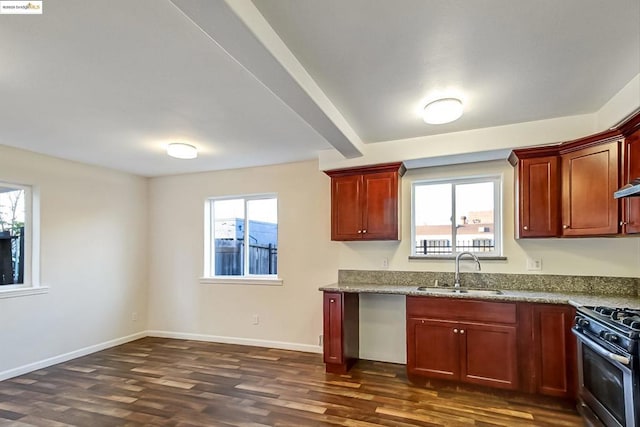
pixel 582 322
pixel 610 337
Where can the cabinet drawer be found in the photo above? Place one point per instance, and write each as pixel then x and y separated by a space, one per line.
pixel 461 309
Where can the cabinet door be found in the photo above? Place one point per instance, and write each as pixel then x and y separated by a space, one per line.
pixel 538 199
pixel 631 205
pixel 380 206
pixel 554 350
pixel 489 355
pixel 589 179
pixel 346 209
pixel 433 349
pixel 333 318
pixel 341 331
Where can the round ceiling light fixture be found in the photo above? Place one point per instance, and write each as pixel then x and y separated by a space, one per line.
pixel 180 150
pixel 442 111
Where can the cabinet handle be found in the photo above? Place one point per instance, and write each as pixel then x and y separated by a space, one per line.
pixel 525 228
pixel 462 331
pixel 364 231
pixel 565 226
pixel 623 223
pixel 359 231
pixel 422 321
pixel 332 301
pixel 455 331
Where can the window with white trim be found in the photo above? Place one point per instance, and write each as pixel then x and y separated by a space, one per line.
pixel 241 238
pixel 17 237
pixel 450 216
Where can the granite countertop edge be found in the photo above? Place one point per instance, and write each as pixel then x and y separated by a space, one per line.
pixel 540 297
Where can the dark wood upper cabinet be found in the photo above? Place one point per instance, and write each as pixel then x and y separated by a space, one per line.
pixel 538 185
pixel 365 202
pixel 567 189
pixel 346 217
pixel 589 179
pixel 631 170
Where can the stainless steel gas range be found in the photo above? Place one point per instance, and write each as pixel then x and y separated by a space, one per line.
pixel 608 365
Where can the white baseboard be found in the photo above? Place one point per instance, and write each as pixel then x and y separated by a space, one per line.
pixel 21 370
pixel 234 340
pixel 25 369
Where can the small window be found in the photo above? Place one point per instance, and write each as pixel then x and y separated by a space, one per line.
pixel 242 237
pixel 16 229
pixel 457 215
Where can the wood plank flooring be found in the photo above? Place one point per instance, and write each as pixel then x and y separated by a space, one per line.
pixel 166 382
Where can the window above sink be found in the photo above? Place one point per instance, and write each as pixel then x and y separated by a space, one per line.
pixel 450 216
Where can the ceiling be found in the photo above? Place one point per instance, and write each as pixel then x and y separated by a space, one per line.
pixel 111 82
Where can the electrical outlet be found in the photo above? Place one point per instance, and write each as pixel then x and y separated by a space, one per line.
pixel 534 264
pixel 134 316
pixel 256 319
pixel 320 340
pixel 385 262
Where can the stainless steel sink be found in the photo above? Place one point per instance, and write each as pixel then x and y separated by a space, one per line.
pixel 469 291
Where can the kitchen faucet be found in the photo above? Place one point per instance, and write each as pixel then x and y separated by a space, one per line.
pixel 456 279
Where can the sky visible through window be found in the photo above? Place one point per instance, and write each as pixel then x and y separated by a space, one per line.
pixel 265 210
pixel 433 202
pixel 12 207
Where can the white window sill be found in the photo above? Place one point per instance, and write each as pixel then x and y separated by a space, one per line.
pixel 441 257
pixel 241 280
pixel 22 291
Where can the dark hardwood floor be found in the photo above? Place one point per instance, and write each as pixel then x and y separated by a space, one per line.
pixel 155 381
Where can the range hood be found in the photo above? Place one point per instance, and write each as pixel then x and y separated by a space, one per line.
pixel 630 190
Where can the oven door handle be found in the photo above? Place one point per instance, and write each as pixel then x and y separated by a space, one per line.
pixel 601 351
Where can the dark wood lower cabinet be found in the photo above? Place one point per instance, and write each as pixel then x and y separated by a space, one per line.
pixel 451 339
pixel 340 331
pixel 489 355
pixel 548 349
pixel 514 346
pixel 430 345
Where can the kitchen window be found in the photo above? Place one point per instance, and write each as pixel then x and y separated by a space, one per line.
pixel 241 240
pixel 19 243
pixel 456 215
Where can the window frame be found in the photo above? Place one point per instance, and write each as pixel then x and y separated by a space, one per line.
pixel 497 180
pixel 31 284
pixel 209 276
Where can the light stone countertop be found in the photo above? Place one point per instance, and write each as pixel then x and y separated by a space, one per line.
pixel 575 299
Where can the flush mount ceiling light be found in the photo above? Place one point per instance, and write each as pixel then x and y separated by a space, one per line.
pixel 442 111
pixel 180 150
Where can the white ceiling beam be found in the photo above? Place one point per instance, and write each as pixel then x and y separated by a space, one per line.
pixel 241 31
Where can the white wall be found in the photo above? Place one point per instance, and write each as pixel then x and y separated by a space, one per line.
pixel 291 314
pixel 93 257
